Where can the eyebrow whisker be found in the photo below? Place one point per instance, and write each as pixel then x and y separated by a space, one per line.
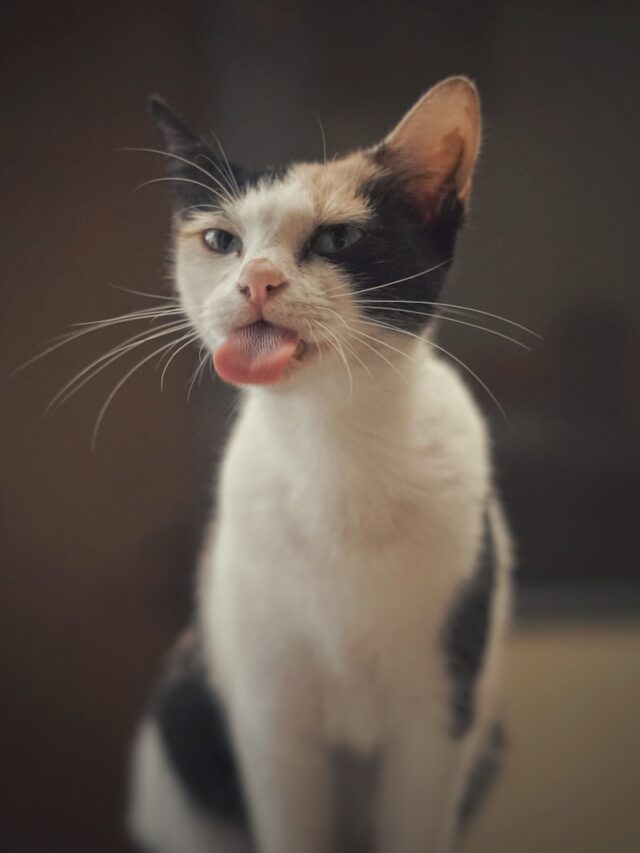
pixel 225 189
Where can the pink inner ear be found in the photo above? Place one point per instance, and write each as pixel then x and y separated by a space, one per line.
pixel 437 174
pixel 429 190
pixel 436 144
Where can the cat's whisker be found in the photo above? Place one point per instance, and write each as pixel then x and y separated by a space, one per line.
pixel 127 375
pixel 386 343
pixel 172 356
pixel 448 353
pixel 475 376
pixel 103 361
pixel 196 376
pixel 235 403
pixel 182 160
pixel 324 141
pixel 457 308
pixel 396 281
pixel 232 176
pixel 100 364
pixel 338 348
pixel 144 293
pixel 142 314
pixel 229 189
pixel 211 190
pixel 451 320
pixel 213 208
pixel 349 329
pixel 363 335
pixel 316 341
pixel 350 349
pixel 87 328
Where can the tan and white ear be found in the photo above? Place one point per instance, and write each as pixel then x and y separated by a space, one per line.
pixel 437 142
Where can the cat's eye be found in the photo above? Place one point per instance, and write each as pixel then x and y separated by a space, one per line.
pixel 334 238
pixel 220 241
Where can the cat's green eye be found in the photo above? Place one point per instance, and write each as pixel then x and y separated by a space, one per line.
pixel 222 242
pixel 335 238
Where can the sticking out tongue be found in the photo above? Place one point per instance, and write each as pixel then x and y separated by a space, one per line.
pixel 255 355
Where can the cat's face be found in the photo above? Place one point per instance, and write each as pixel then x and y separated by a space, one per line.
pixel 321 263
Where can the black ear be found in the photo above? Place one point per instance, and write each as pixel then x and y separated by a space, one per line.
pixel 175 134
pixel 200 178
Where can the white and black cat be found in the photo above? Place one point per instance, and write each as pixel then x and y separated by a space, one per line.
pixel 339 690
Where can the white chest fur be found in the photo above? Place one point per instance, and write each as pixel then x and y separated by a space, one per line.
pixel 344 531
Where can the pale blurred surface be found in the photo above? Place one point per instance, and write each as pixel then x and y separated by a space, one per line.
pixel 571 777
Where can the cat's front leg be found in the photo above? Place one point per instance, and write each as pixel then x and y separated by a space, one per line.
pixel 417 798
pixel 287 781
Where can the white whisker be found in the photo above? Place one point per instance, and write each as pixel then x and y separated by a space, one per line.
pixel 390 283
pixel 89 327
pixel 338 348
pixel 211 190
pixel 377 352
pixel 212 208
pixel 99 364
pixel 315 341
pixel 232 177
pixel 462 308
pixel 324 141
pixel 142 314
pixel 452 320
pixel 173 355
pixel 182 160
pixel 349 329
pixel 198 371
pixel 144 293
pixel 128 374
pixel 451 355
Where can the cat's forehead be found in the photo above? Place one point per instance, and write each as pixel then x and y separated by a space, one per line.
pixel 312 194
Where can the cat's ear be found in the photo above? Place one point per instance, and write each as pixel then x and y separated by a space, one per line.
pixel 175 134
pixel 436 144
pixel 199 178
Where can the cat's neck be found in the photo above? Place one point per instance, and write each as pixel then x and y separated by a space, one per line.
pixel 348 450
pixel 351 413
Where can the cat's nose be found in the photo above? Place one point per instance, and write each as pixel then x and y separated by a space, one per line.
pixel 259 280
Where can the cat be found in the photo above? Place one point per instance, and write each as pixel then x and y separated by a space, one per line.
pixel 339 689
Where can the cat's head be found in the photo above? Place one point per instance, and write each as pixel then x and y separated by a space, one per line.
pixel 288 271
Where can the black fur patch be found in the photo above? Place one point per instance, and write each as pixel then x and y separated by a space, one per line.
pixel 194 734
pixel 466 633
pixel 200 175
pixel 483 774
pixel 401 255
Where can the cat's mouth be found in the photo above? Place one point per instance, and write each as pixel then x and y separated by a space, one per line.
pixel 258 354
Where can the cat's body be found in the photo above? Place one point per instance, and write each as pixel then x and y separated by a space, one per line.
pixel 354 590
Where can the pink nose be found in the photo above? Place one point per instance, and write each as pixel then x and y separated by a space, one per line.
pixel 259 281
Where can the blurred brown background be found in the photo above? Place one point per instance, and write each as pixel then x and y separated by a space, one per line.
pixel 98 547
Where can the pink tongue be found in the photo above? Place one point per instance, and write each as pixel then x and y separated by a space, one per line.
pixel 256 355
